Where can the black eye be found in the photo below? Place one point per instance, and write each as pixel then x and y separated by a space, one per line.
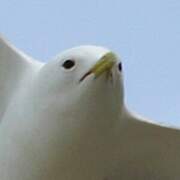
pixel 120 66
pixel 68 64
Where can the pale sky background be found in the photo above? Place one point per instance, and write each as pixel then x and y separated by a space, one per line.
pixel 146 34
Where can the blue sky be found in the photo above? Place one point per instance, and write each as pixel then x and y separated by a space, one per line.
pixel 146 34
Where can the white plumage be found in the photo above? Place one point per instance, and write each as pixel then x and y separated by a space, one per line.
pixel 66 120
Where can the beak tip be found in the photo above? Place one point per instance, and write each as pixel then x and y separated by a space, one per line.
pixel 105 64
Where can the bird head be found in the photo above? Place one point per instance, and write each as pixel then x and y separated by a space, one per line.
pixel 84 79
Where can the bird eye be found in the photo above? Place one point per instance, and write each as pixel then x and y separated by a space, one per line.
pixel 120 66
pixel 68 64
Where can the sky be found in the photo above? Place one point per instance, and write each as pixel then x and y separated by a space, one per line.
pixel 145 34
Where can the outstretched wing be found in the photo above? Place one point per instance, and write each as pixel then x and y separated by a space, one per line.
pixel 158 131
pixel 13 65
pixel 151 146
pixel 155 136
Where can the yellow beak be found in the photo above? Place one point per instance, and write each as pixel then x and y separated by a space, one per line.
pixel 103 65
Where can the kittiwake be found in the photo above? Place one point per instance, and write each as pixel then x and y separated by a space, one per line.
pixel 67 120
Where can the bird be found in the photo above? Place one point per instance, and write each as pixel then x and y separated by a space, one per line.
pixel 67 120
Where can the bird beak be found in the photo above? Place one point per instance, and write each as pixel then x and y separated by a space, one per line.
pixel 105 64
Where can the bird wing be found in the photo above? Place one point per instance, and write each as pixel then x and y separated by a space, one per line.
pixel 13 66
pixel 151 146
pixel 153 134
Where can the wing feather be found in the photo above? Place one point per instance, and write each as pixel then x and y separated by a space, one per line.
pixel 14 64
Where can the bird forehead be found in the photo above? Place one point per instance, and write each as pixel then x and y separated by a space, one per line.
pixel 86 51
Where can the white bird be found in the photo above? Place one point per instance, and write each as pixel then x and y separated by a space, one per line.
pixel 67 120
